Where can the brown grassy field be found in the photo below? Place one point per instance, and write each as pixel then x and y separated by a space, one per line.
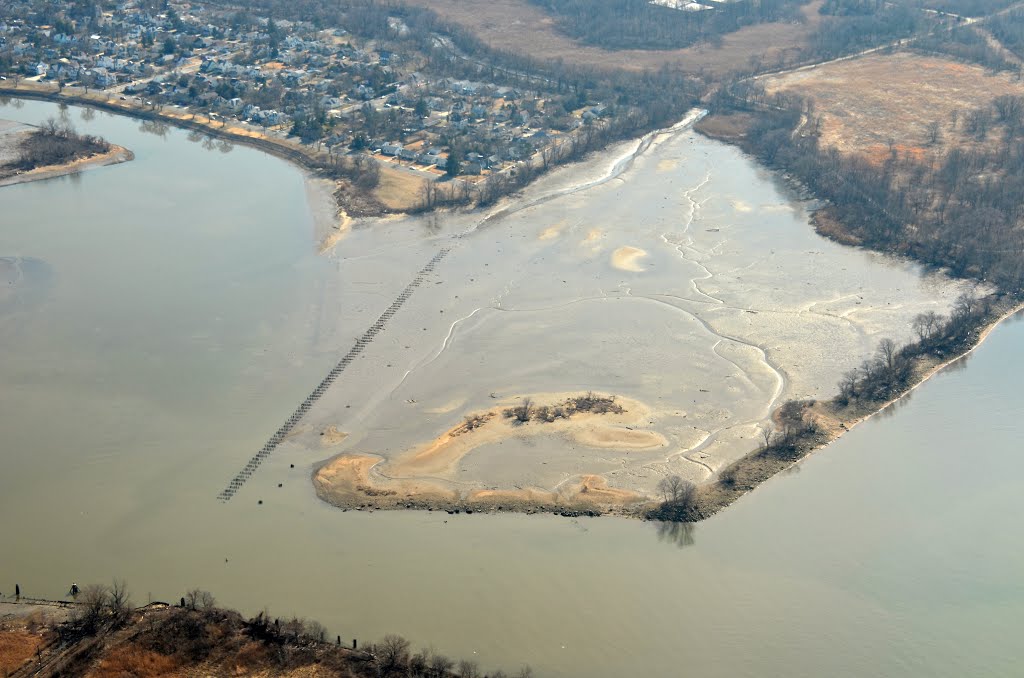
pixel 866 102
pixel 523 28
pixel 15 647
pixel 399 190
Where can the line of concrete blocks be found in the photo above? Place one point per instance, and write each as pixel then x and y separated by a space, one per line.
pixel 304 407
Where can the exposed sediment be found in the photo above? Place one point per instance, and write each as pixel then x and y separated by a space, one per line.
pixel 723 305
pixel 427 474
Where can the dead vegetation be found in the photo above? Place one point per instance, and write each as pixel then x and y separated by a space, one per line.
pixel 16 646
pixel 520 27
pixel 590 402
pixel 195 638
pixel 906 103
pixel 473 422
pixel 53 143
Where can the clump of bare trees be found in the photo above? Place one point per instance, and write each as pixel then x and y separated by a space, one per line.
pixel 889 372
pixel 596 404
pixel 590 402
pixel 675 489
pixel 679 500
pixel 394 657
pixel 101 607
pixel 786 439
pixel 361 171
pixel 55 143
pixel 197 599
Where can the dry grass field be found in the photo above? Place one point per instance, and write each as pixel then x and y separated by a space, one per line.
pixel 868 102
pixel 399 189
pixel 15 647
pixel 523 28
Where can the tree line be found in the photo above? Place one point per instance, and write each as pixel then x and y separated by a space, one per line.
pixel 638 24
pixel 889 372
pixel 106 633
pixel 958 210
pixel 796 431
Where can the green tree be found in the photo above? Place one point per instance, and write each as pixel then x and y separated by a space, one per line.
pixel 453 167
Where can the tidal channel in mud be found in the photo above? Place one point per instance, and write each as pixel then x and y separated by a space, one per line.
pixel 171 312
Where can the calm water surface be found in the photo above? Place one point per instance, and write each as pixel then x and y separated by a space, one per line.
pixel 175 305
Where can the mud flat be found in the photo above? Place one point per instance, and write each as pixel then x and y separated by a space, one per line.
pixel 418 475
pixel 672 272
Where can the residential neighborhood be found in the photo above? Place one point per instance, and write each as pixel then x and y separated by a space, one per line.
pixel 324 86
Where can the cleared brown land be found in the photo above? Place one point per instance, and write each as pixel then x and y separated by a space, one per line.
pixel 399 190
pixel 866 102
pixel 522 28
pixel 15 647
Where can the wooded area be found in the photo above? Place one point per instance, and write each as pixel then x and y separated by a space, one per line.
pixel 960 212
pixel 638 24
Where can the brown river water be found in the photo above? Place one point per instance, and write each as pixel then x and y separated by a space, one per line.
pixel 162 317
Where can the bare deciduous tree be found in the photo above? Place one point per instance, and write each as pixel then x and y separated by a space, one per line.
pixel 887 352
pixel 676 490
pixel 468 669
pixel 440 665
pixel 392 654
pixel 925 324
pixel 90 611
pixel 119 602
pixel 198 599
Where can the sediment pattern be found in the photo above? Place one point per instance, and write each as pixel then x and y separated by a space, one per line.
pixel 362 342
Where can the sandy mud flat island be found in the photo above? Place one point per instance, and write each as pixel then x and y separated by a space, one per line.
pixel 597 421
pixel 673 273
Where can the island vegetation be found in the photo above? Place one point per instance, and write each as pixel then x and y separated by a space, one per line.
pixel 54 143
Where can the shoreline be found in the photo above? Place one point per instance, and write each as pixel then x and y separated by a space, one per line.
pixel 353 202
pixel 531 501
pixel 353 207
pixel 527 501
pixel 115 156
pixel 714 496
